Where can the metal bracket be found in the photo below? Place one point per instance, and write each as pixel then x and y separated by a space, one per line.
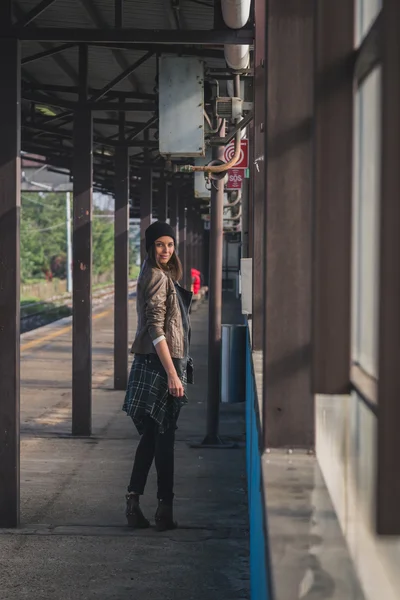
pixel 217 141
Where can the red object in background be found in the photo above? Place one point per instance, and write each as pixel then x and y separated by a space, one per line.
pixel 229 153
pixel 196 281
pixel 235 179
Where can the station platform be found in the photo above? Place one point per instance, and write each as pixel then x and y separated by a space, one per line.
pixel 73 542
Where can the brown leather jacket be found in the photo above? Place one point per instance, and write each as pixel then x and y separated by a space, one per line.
pixel 158 312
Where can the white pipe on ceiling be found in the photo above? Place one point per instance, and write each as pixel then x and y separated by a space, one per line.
pixel 236 13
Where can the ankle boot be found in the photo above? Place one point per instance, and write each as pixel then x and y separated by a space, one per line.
pixel 134 515
pixel 164 517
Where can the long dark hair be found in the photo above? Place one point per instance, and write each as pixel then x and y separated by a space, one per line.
pixel 173 267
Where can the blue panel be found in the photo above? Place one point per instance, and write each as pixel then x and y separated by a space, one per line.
pixel 258 537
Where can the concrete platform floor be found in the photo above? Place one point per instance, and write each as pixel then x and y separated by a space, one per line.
pixel 73 542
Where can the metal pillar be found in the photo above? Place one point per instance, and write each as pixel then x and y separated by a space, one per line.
pixel 182 236
pixel 173 208
pixel 250 217
pixel 201 244
pixel 121 265
pixel 388 483
pixel 82 262
pixel 258 199
pixel 69 240
pixel 162 207
pixel 333 196
pixel 196 242
pixel 146 208
pixel 288 407
pixel 10 175
pixel 189 245
pixel 215 306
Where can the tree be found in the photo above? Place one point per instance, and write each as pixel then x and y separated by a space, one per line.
pixel 103 243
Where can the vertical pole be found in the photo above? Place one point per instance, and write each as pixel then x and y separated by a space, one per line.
pixel 387 482
pixel 206 256
pixel 182 236
pixel 146 208
pixel 333 197
pixel 82 263
pixel 69 245
pixel 189 245
pixel 173 209
pixel 288 406
pixel 250 217
pixel 121 262
pixel 162 208
pixel 196 240
pixel 245 219
pixel 260 75
pixel 118 13
pixel 10 174
pixel 215 304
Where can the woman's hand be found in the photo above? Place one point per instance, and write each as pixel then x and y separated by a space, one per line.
pixel 175 386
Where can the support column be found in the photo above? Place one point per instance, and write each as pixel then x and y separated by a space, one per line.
pixel 333 197
pixel 82 259
pixel 196 259
pixel 162 208
pixel 288 408
pixel 121 268
pixel 182 236
pixel 215 304
pixel 189 244
pixel 387 482
pixel 173 209
pixel 146 208
pixel 250 215
pixel 201 246
pixel 258 151
pixel 10 174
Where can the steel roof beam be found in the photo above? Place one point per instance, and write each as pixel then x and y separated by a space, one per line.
pixel 46 53
pixel 97 140
pixel 74 89
pixel 138 36
pixel 107 88
pixel 99 105
pixel 34 13
pixel 98 20
pixel 143 127
pixel 115 122
pixel 118 13
pixel 166 49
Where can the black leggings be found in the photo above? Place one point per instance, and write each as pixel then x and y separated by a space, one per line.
pixel 158 446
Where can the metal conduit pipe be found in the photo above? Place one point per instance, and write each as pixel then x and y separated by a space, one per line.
pixel 225 166
pixel 235 218
pixel 235 202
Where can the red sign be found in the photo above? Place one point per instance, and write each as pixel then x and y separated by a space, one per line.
pixel 235 179
pixel 229 153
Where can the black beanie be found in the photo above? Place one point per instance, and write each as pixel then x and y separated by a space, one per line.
pixel 157 230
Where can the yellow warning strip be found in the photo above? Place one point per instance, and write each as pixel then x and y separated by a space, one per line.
pixel 50 336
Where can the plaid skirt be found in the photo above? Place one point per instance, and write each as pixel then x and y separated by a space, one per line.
pixel 147 394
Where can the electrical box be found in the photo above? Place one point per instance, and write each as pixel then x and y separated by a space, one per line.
pixel 181 106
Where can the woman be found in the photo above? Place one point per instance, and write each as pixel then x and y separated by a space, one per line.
pixel 160 371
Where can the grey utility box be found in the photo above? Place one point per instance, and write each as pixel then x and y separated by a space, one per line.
pixel 181 106
pixel 233 369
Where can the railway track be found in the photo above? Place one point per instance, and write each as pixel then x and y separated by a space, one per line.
pixel 58 307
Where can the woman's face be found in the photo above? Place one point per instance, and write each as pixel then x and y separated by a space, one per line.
pixel 164 249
